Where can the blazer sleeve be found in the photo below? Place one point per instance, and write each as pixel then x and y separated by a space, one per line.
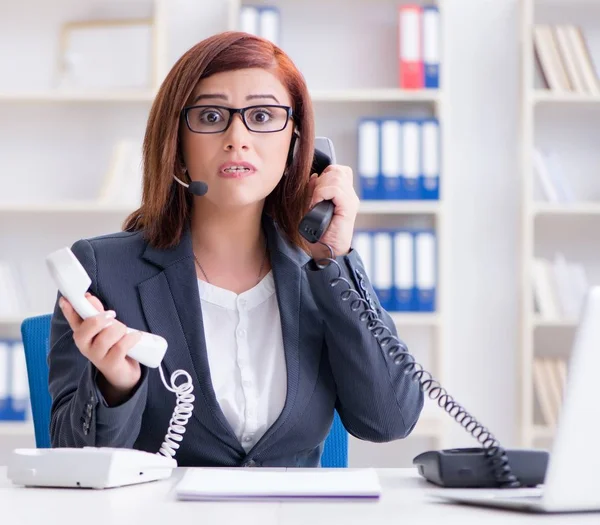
pixel 376 400
pixel 79 415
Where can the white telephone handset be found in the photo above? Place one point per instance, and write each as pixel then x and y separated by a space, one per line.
pixel 73 282
pixel 102 467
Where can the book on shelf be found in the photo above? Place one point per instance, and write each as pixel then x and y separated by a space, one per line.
pixel 564 59
pixel 549 381
pixel 402 266
pixel 399 158
pixel 122 184
pixel 559 287
pixel 418 46
pixel 550 178
pixel 263 21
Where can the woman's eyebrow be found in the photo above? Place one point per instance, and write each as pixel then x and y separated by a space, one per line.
pixel 222 96
pixel 210 96
pixel 251 97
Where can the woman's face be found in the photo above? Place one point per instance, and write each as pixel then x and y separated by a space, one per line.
pixel 241 167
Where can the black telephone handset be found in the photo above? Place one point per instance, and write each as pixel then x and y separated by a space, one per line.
pixel 317 220
pixel 486 466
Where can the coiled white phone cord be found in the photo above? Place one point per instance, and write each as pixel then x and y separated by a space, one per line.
pixel 181 414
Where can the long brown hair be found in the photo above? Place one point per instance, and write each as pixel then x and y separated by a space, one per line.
pixel 166 205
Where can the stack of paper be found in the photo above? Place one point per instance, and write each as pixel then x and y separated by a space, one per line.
pixel 244 484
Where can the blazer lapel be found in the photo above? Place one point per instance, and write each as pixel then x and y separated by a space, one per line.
pixel 286 263
pixel 171 305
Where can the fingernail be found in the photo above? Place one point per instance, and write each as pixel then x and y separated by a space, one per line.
pixel 110 314
pixel 61 303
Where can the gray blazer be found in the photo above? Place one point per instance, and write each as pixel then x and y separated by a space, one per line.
pixel 332 359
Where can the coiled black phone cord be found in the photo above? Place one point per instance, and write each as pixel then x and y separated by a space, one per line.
pixel 396 349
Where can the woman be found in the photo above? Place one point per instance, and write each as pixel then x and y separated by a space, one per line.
pixel 228 281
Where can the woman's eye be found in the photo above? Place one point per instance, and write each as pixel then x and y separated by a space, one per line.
pixel 211 117
pixel 260 116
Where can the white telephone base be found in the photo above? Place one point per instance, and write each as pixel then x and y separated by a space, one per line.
pixel 87 467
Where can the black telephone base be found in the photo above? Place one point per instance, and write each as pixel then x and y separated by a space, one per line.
pixel 469 468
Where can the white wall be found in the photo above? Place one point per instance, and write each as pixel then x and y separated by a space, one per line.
pixel 483 320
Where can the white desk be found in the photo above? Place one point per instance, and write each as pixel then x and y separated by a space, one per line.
pixel 404 501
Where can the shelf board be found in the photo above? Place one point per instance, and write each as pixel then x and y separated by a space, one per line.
pixel 558 208
pixel 540 322
pixel 78 96
pixel 376 95
pixel 545 96
pixel 16 428
pixel 66 207
pixel 318 95
pixel 383 207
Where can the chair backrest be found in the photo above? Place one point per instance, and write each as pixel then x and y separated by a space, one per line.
pixel 36 334
pixel 335 451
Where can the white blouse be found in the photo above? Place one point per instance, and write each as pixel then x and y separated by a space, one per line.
pixel 245 355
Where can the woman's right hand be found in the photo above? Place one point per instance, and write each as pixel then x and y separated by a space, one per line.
pixel 105 342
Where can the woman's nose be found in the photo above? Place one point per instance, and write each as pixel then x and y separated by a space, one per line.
pixel 237 135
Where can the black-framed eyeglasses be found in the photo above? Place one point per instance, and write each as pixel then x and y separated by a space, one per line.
pixel 266 118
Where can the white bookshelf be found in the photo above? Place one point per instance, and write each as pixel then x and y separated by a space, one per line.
pixel 49 198
pixel 564 123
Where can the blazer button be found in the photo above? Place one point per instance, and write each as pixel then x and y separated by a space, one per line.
pixel 250 463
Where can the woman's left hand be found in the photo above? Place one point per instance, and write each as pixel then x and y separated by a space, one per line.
pixel 335 184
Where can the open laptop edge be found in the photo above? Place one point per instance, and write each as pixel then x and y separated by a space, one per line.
pixel 573 475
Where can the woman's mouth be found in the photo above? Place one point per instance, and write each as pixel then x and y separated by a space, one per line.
pixel 236 170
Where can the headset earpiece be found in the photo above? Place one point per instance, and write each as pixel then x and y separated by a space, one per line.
pixel 293 148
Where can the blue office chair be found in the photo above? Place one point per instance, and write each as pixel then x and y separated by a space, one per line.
pixel 36 334
pixel 335 451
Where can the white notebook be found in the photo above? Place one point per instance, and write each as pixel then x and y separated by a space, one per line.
pixel 245 484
